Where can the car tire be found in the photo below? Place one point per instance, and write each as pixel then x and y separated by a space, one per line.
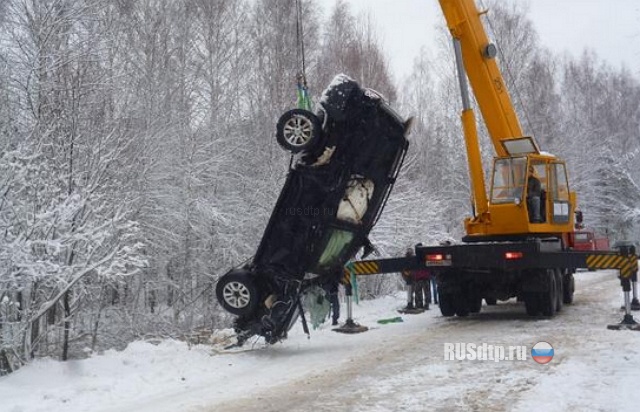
pixel 237 293
pixel 298 130
pixel 491 301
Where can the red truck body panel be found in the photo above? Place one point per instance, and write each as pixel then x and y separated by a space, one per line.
pixel 587 240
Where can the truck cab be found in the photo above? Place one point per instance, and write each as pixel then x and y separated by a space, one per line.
pixel 587 239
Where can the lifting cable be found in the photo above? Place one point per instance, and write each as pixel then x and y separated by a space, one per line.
pixel 304 101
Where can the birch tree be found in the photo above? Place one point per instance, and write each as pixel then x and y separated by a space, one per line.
pixel 63 226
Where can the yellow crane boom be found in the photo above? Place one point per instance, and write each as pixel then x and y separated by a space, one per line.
pixel 512 207
pixel 482 70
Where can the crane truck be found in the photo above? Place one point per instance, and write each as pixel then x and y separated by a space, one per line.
pixel 516 244
pixel 518 241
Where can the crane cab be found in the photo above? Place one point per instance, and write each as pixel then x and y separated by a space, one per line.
pixel 508 209
pixel 517 205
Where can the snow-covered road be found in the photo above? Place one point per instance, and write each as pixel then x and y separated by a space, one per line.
pixel 393 367
pixel 593 369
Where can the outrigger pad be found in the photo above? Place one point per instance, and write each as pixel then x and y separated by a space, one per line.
pixel 350 327
pixel 628 323
pixel 414 311
pixel 624 326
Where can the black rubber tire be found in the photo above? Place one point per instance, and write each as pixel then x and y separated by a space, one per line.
pixel 298 130
pixel 569 286
pixel 549 298
pixel 491 301
pixel 475 304
pixel 531 303
pixel 447 304
pixel 462 305
pixel 237 293
pixel 559 290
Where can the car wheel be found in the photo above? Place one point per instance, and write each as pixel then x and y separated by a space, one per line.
pixel 298 130
pixel 237 293
pixel 491 301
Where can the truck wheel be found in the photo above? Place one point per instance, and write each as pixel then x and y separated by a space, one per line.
pixel 298 130
pixel 568 288
pixel 446 304
pixel 549 297
pixel 475 303
pixel 531 303
pixel 237 293
pixel 559 290
pixel 462 305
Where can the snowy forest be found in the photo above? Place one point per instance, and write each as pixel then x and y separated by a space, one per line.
pixel 138 160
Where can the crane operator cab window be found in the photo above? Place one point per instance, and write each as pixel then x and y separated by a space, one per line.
pixel 559 192
pixel 508 180
pixel 517 181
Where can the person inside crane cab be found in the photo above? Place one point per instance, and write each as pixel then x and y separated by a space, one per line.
pixel 534 194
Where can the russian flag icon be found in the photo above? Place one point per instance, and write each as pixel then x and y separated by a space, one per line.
pixel 542 352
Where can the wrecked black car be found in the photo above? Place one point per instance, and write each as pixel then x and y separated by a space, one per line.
pixel 347 158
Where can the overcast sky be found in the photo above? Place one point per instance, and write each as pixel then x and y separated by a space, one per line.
pixel 610 27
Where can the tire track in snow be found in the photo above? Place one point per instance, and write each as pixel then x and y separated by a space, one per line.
pixel 409 372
